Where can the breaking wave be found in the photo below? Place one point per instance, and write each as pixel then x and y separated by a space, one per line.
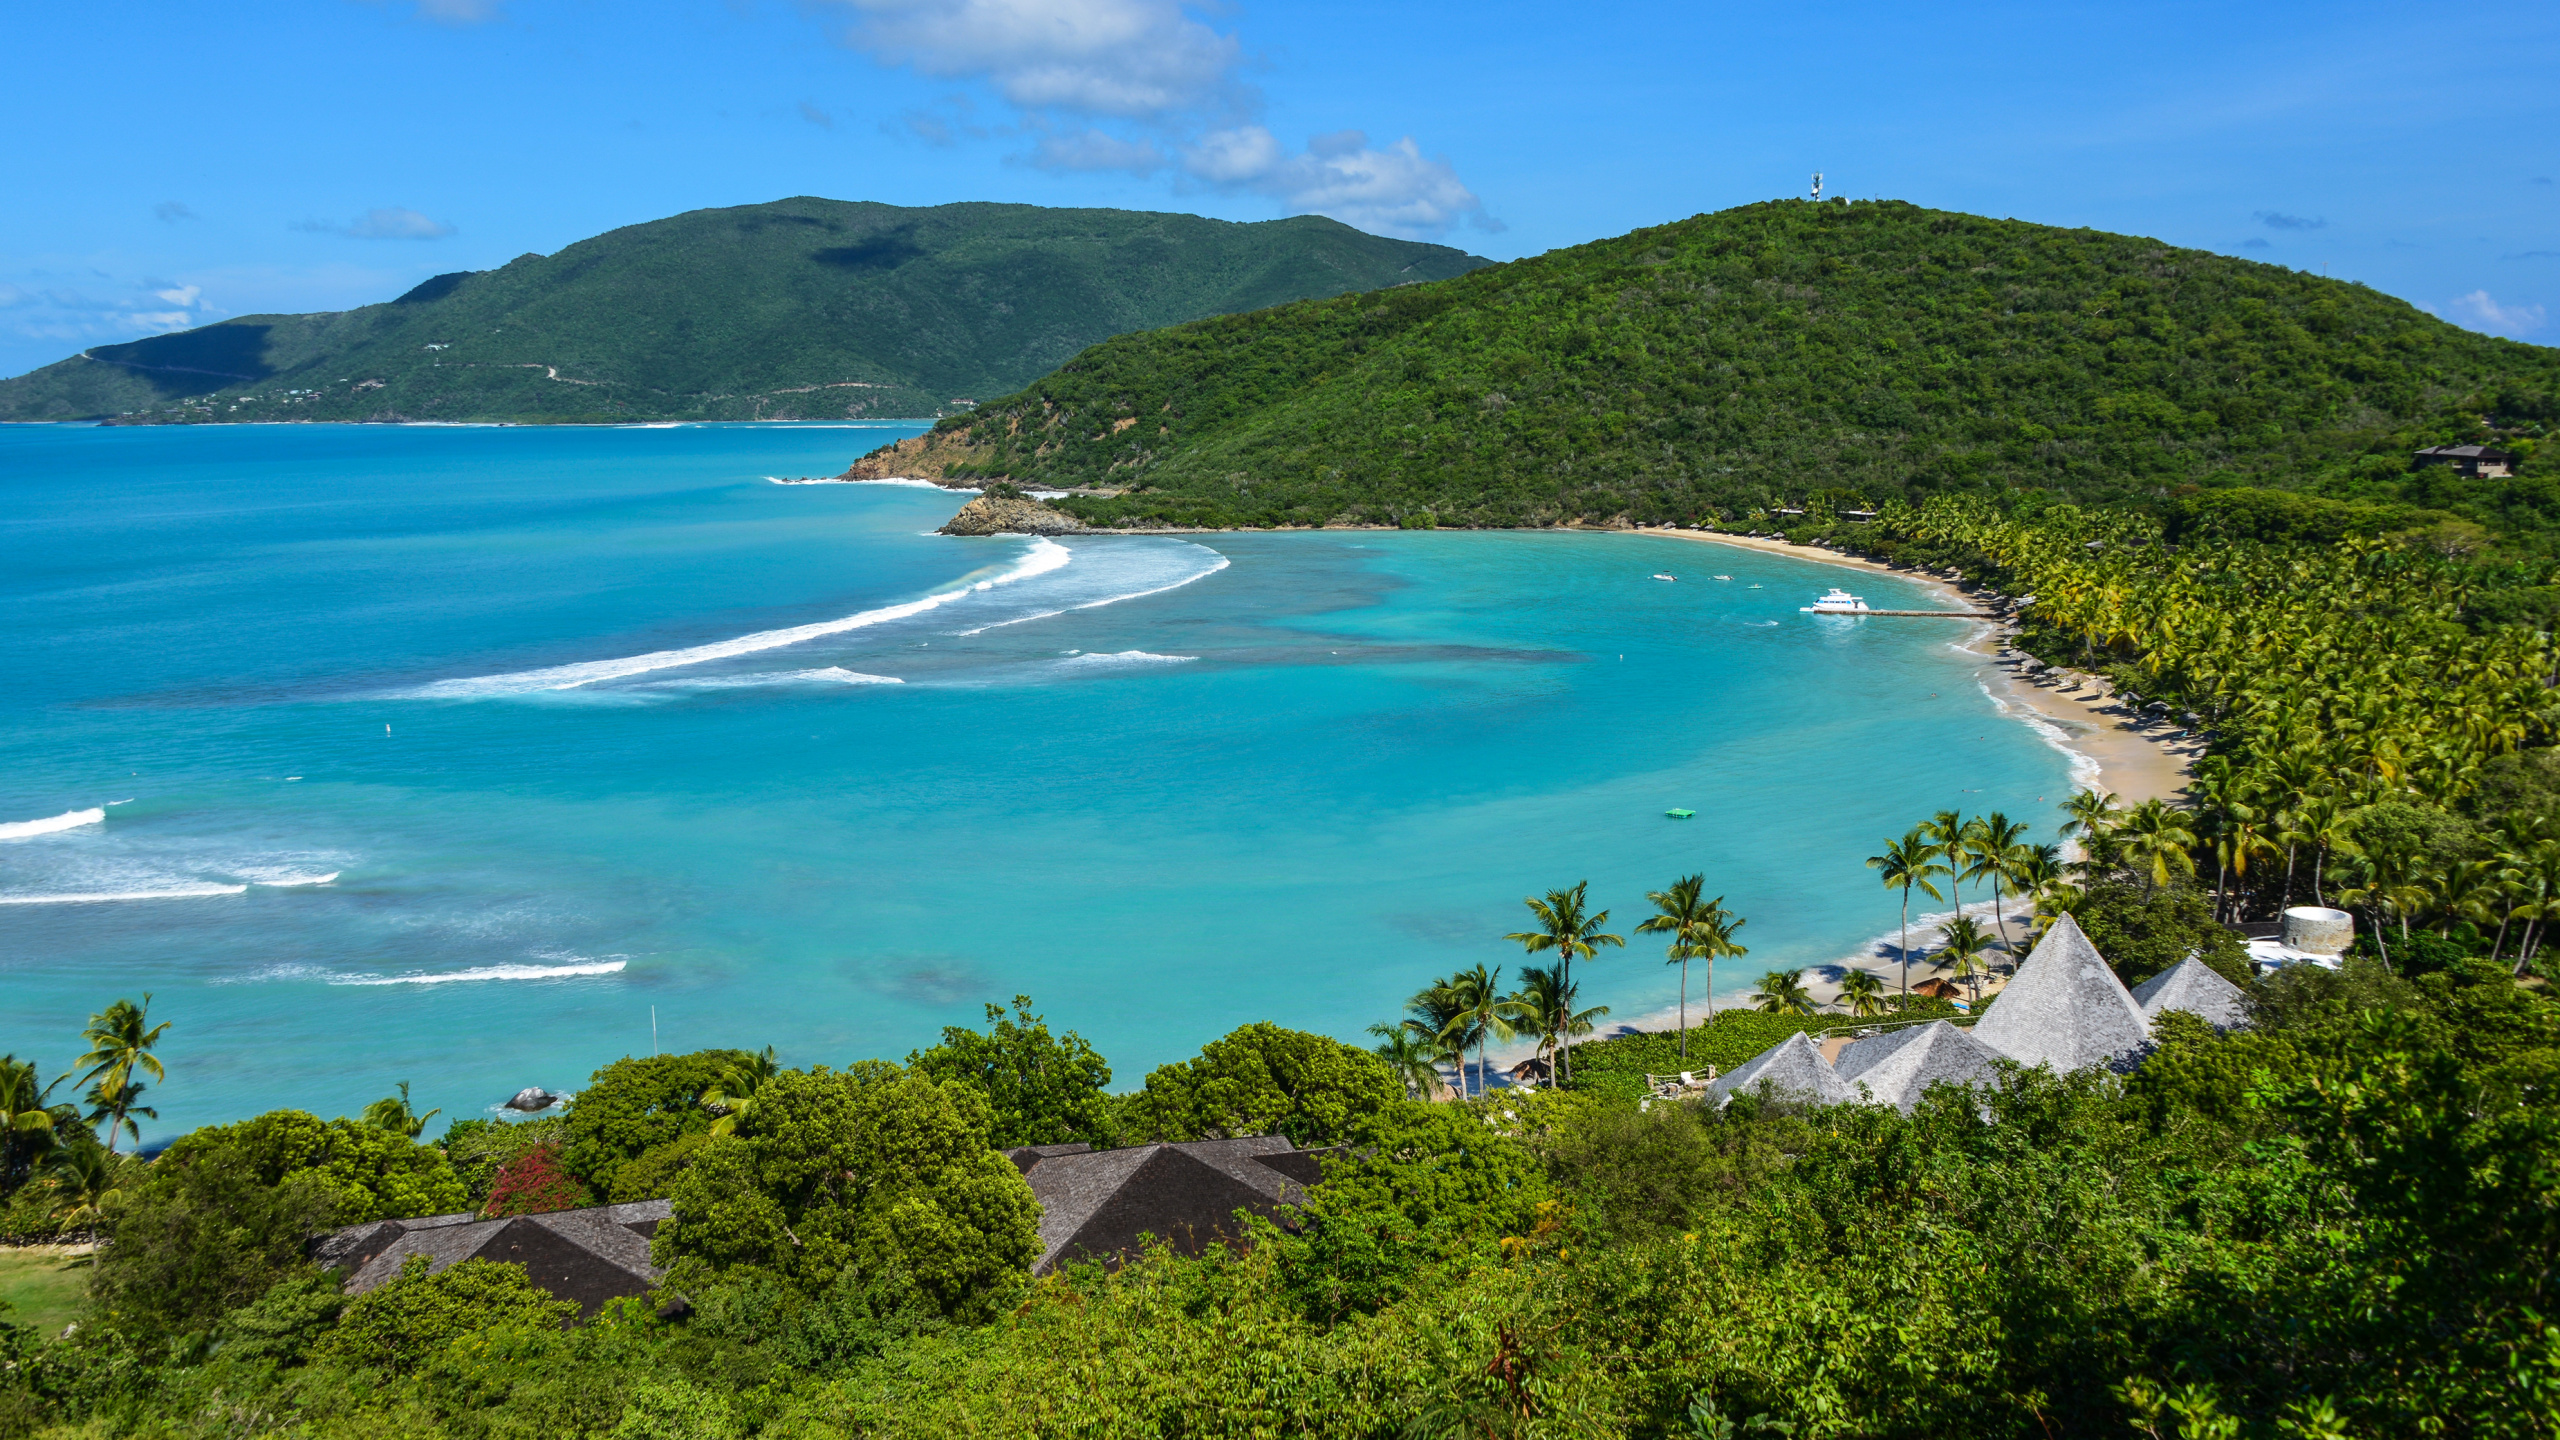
pixel 1044 556
pixel 570 970
pixel 67 820
pixel 1126 657
pixel 100 897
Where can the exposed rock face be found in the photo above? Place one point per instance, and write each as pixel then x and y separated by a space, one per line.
pixel 994 515
pixel 919 457
pixel 531 1098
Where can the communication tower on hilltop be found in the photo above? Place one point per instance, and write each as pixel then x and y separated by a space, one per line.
pixel 1817 187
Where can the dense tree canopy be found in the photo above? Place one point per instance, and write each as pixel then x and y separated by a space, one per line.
pixel 1729 362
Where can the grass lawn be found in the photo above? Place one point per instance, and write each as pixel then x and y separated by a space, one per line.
pixel 44 1286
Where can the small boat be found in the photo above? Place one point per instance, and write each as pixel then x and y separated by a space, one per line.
pixel 1750 587
pixel 1724 577
pixel 1681 814
pixel 1666 577
pixel 1837 602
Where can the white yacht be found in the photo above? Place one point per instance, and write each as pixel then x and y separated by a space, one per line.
pixel 1838 602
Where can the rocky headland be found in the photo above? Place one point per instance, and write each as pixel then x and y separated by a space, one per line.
pixel 1006 515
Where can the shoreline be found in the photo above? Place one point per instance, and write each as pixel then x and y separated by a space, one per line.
pixel 2107 745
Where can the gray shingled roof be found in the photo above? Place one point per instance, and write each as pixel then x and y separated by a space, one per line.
pixel 1098 1203
pixel 1899 1066
pixel 2193 986
pixel 590 1255
pixel 2064 1007
pixel 1793 1067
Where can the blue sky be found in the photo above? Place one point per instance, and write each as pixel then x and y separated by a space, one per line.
pixel 177 163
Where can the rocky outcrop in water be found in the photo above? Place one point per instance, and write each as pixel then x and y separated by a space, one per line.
pixel 998 515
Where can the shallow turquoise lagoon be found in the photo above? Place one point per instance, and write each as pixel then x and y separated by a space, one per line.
pixel 458 755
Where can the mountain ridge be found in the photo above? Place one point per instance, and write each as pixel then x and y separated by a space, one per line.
pixel 1731 363
pixel 803 308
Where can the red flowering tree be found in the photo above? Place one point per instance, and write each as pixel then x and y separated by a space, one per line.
pixel 535 1183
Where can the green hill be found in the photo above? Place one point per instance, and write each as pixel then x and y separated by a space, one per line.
pixel 799 309
pixel 1732 361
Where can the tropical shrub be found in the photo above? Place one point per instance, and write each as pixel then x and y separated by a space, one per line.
pixel 398 1323
pixel 876 1173
pixel 479 1149
pixel 1042 1090
pixel 2142 932
pixel 536 1182
pixel 1265 1080
pixel 638 1103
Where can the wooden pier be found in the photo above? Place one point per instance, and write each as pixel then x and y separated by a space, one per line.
pixel 1939 614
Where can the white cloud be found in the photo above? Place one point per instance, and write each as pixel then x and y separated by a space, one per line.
pixel 1145 86
pixel 810 112
pixel 392 222
pixel 1131 59
pixel 1394 191
pixel 2477 311
pixel 68 313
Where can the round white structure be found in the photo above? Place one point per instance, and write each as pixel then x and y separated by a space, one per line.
pixel 2317 930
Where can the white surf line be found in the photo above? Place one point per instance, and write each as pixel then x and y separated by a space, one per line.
pixel 67 820
pixel 184 892
pixel 1222 564
pixel 489 972
pixel 1044 556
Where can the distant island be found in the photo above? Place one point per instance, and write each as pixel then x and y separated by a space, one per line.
pixel 800 309
pixel 1744 361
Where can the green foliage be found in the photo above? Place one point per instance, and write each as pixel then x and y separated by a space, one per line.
pixel 479 1149
pixel 879 1174
pixel 204 1234
pixel 396 1324
pixel 797 309
pixel 1043 1090
pixel 224 1212
pixel 1265 1080
pixel 2143 932
pixel 283 1324
pixel 636 1104
pixel 1704 368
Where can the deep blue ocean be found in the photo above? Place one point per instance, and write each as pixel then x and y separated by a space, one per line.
pixel 451 755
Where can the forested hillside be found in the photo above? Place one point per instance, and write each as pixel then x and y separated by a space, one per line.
pixel 801 308
pixel 1737 360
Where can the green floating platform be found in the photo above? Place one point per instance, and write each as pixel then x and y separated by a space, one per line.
pixel 1681 814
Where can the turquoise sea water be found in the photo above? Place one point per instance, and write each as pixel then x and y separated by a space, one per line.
pixel 449 755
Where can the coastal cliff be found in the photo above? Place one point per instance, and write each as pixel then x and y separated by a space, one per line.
pixel 929 456
pixel 1004 515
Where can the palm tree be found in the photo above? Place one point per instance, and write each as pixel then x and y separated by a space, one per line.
pixel 1543 1007
pixel 82 1176
pixel 1699 930
pixel 1681 912
pixel 1961 948
pixel 1863 993
pixel 1719 945
pixel 1782 992
pixel 1952 833
pixel 1414 1062
pixel 120 1040
pixel 392 1113
pixel 1564 928
pixel 1482 1017
pixel 1908 863
pixel 26 1120
pixel 117 1106
pixel 2157 840
pixel 2092 815
pixel 734 1093
pixel 1996 841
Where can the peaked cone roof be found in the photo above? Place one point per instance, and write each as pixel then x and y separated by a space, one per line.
pixel 2191 985
pixel 2064 1008
pixel 1793 1067
pixel 1899 1066
pixel 1098 1203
